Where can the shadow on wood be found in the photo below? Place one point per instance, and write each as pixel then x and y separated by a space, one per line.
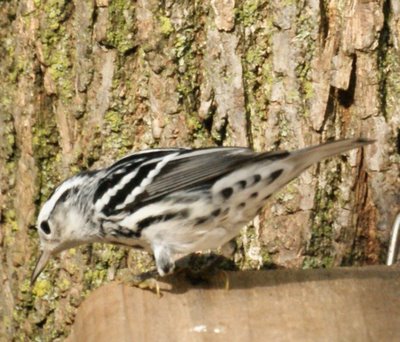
pixel 343 304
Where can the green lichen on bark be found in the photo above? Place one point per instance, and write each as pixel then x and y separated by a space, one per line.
pixel 47 152
pixel 256 61
pixel 117 134
pixel 121 28
pixel 166 26
pixel 57 46
pixel 8 148
pixel 249 12
pixel 319 250
pixel 186 52
pixel 305 39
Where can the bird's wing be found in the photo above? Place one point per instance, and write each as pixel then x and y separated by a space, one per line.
pixel 143 178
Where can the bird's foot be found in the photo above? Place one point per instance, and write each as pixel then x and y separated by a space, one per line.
pixel 145 281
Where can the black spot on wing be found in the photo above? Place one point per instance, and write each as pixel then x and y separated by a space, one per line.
pixel 256 178
pixel 242 184
pixel 216 212
pixel 192 173
pixel 201 220
pixel 226 211
pixel 241 205
pixel 227 192
pixel 274 175
pixel 254 195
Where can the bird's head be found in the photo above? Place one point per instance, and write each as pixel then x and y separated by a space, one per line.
pixel 62 223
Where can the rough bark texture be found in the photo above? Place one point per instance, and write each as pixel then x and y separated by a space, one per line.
pixel 85 82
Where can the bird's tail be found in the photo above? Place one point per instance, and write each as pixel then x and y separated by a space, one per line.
pixel 297 161
pixel 310 155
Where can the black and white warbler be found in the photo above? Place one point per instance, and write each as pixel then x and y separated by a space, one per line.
pixel 171 202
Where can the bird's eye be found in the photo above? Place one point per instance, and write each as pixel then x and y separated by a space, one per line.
pixel 44 226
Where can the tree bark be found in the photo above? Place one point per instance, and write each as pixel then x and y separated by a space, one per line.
pixel 85 82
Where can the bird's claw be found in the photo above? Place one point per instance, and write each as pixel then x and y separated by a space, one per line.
pixel 144 281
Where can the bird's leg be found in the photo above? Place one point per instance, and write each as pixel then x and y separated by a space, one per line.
pixel 149 280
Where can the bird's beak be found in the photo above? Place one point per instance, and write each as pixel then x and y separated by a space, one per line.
pixel 40 265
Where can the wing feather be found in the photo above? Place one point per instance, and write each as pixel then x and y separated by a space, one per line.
pixel 193 169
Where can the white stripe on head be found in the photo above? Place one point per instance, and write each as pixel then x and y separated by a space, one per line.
pixel 48 207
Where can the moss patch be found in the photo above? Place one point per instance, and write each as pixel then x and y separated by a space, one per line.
pixel 47 151
pixel 118 136
pixel 42 287
pixel 57 45
pixel 319 252
pixel 121 29
pixel 166 26
pixel 248 13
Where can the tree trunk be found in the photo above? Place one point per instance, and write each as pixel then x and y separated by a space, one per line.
pixel 85 82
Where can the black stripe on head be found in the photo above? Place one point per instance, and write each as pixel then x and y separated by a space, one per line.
pixel 65 195
pixel 68 188
pixel 227 192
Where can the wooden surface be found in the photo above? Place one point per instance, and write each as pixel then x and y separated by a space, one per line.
pixel 344 304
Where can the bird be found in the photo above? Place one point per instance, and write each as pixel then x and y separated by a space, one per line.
pixel 171 202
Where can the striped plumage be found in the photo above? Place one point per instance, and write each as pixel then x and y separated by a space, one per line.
pixel 171 201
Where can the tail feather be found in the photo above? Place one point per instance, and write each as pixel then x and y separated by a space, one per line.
pixel 310 155
pixel 298 161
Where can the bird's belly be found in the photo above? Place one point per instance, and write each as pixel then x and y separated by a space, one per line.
pixel 205 224
pixel 197 234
